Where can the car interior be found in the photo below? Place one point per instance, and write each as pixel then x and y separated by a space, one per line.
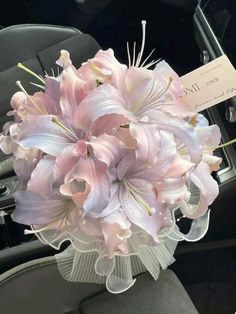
pixel 185 33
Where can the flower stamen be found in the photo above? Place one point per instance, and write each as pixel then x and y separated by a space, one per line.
pixel 133 192
pixel 128 52
pixel 142 45
pixel 23 67
pixel 67 130
pixel 39 110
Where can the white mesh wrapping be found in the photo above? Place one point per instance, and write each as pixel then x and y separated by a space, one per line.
pixel 83 265
pixel 86 260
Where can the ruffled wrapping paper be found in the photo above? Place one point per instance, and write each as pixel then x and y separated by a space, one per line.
pixel 86 260
pixel 106 155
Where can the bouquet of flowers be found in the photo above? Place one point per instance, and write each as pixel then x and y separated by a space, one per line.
pixel 107 157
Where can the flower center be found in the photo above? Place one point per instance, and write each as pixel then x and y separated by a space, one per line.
pixel 135 193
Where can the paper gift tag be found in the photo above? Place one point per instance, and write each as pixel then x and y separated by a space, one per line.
pixel 210 84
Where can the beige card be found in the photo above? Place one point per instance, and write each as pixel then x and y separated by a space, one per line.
pixel 210 84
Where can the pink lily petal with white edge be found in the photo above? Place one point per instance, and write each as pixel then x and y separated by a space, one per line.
pixel 45 133
pixel 208 189
pixel 24 161
pixel 210 137
pixel 133 167
pixel 95 174
pixel 105 68
pixel 108 149
pixel 109 124
pixel 105 100
pixel 136 209
pixel 72 93
pixel 164 73
pixel 6 144
pixel 33 209
pixel 78 190
pixel 64 60
pixel 42 177
pixel 116 231
pixel 23 167
pixel 172 190
pixel 37 104
pixel 130 167
pixel 181 129
pixel 138 84
pixel 123 134
pixel 167 152
pixel 114 202
pixel 66 160
pixel 179 167
pixel 138 196
pixel 52 88
pixel 202 178
pixel 148 141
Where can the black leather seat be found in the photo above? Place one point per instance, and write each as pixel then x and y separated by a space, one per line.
pixel 37 287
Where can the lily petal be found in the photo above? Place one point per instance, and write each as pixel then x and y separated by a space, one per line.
pixel 109 124
pixel 163 73
pixel 172 190
pixel 167 153
pixel 64 61
pixel 209 136
pixel 148 141
pixel 179 167
pixel 116 231
pixel 42 177
pixel 212 161
pixel 66 160
pixel 43 132
pixel 108 149
pixel 23 168
pixel 104 100
pixel 24 161
pixel 202 178
pixel 72 93
pixel 52 88
pixel 6 144
pixel 78 190
pixel 105 67
pixel 32 209
pixel 132 203
pixel 114 202
pixel 94 173
pixel 37 104
pixel 130 167
pixel 207 191
pixel 181 129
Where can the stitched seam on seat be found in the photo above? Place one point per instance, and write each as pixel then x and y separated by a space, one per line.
pixel 39 25
pixel 23 271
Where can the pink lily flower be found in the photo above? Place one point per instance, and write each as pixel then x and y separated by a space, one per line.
pixel 102 69
pixel 140 105
pixel 134 194
pixel 201 178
